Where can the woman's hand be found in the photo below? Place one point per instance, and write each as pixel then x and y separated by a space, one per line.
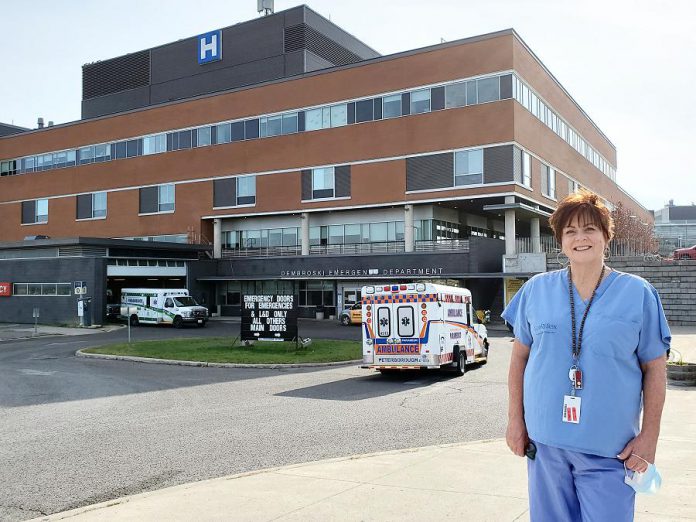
pixel 516 436
pixel 639 450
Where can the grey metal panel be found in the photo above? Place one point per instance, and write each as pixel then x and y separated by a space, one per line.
pixel 295 63
pixel 149 199
pixel 225 192
pixel 682 213
pixel 406 103
pixel 208 81
pixel 342 181
pixel 28 211
pixel 335 33
pixel 544 178
pixel 314 62
pixel 84 206
pixel 117 102
pixel 517 164
pixel 506 87
pixel 306 184
pixel 429 172
pixel 498 164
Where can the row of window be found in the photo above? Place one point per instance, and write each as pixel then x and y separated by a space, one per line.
pixel 349 234
pixel 530 101
pixel 34 289
pixel 418 101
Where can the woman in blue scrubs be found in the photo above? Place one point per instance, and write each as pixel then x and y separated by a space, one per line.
pixel 588 355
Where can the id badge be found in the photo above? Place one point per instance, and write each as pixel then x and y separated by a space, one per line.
pixel 571 409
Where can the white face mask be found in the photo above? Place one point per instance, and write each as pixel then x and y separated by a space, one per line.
pixel 648 482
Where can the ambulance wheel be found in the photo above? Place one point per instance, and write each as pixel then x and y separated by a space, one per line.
pixel 460 365
pixel 485 351
pixel 134 320
pixel 178 322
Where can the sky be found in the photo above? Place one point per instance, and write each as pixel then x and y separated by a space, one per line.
pixel 630 64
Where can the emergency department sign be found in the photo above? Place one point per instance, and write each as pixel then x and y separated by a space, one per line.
pixel 269 318
pixel 210 47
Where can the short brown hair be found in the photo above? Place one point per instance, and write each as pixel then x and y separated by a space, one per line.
pixel 588 208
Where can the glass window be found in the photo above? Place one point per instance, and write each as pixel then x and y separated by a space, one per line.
pixel 406 321
pixel 224 133
pixel 63 289
pixel 391 106
pixel 48 289
pixel 166 198
pixel 526 169
pixel 323 183
pixel 335 234
pixel 339 115
pixel 246 190
pixel 383 321
pixel 314 235
pixel 378 232
pixel 420 101
pixel 364 111
pixel 314 119
pixel 102 152
pixel 290 123
pixel 552 182
pixel 455 95
pixel 471 93
pixel 271 126
pixel 399 230
pixel 352 234
pixel 290 237
pixel 154 144
pixel 204 136
pixel 468 167
pixel 20 289
pixel 99 204
pixel 488 89
pixel 34 288
pixel 275 237
pixel 41 211
pixel 86 155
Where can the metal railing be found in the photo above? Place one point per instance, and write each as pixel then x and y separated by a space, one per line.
pixel 617 247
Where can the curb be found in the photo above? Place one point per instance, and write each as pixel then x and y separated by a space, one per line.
pixel 150 360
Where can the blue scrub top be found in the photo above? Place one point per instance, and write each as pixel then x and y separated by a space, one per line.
pixel 625 327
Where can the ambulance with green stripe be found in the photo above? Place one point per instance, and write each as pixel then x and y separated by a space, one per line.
pixel 161 306
pixel 421 325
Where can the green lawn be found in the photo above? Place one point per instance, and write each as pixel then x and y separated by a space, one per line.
pixel 218 349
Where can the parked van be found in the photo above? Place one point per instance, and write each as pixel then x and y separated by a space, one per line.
pixel 161 306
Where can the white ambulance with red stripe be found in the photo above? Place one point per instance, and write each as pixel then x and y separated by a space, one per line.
pixel 421 325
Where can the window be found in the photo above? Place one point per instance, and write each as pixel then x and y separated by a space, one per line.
pixel 468 167
pixel 406 321
pixel 326 117
pixel 165 198
pixel 526 169
pixel 102 152
pixel 154 144
pixel 383 321
pixel 420 101
pixel 224 133
pixel 549 177
pixel 391 106
pixel 33 289
pixel 246 190
pixel 488 89
pixel 471 93
pixel 91 206
pixel 364 111
pixel 271 126
pixel 204 136
pixel 35 211
pixel 323 183
pixel 455 95
pixel 290 123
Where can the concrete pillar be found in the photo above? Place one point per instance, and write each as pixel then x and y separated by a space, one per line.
pixel 304 235
pixel 408 228
pixel 217 238
pixel 536 235
pixel 510 247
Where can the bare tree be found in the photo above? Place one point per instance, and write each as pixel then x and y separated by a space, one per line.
pixel 631 236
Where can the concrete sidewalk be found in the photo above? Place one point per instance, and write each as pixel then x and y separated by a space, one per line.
pixel 16 331
pixel 474 481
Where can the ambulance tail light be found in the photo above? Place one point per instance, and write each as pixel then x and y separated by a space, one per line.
pixel 420 287
pixel 403 287
pixel 386 288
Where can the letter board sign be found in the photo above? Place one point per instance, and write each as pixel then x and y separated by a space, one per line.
pixel 5 289
pixel 269 318
pixel 210 47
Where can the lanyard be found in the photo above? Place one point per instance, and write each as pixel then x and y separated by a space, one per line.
pixel 577 345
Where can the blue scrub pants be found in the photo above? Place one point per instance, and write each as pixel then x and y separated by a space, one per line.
pixel 567 486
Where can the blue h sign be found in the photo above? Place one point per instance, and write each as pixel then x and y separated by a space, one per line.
pixel 210 47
